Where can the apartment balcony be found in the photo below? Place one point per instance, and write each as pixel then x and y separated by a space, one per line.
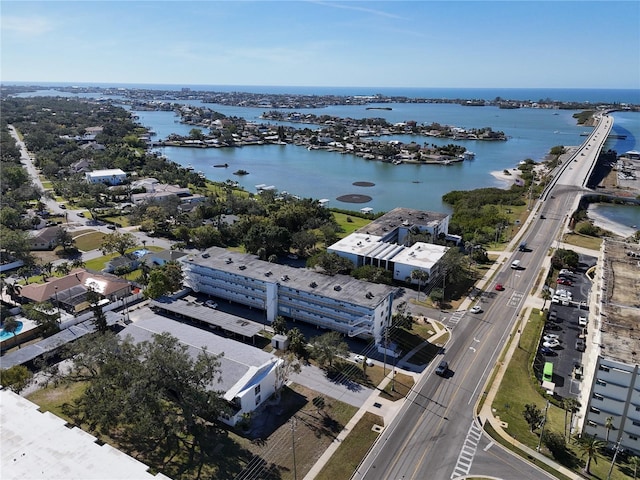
pixel 354 332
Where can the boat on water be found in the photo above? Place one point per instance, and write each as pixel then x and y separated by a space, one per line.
pixel 397 162
pixel 467 155
pixel 221 165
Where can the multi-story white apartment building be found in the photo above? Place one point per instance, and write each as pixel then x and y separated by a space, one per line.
pixel 385 243
pixel 340 303
pixel 611 404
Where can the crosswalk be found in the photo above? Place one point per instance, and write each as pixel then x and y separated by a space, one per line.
pixel 455 318
pixel 468 451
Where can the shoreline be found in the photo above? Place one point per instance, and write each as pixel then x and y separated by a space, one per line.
pixel 616 228
pixel 507 179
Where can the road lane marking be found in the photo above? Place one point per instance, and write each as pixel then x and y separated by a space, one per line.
pixel 468 451
pixel 488 446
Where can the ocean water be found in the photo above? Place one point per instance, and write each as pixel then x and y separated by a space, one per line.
pixel 630 96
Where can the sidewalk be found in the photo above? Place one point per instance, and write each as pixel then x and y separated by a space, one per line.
pixel 375 404
pixel 486 413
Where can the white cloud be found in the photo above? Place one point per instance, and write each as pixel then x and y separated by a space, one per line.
pixel 26 25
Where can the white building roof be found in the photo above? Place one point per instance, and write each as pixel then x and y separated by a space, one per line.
pixel 239 358
pixel 357 244
pixel 422 255
pixel 107 173
pixel 40 445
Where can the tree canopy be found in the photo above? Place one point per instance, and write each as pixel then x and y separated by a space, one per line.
pixel 152 395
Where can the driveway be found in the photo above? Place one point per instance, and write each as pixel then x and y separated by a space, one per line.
pixel 346 391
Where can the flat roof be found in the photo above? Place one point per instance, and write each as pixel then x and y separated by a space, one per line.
pixel 405 217
pixel 620 314
pixel 421 254
pixel 40 445
pixel 349 289
pixel 209 315
pixel 110 171
pixel 238 357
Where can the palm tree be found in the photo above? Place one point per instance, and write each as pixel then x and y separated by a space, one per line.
pixel 570 405
pixel 46 268
pixel 421 276
pixel 77 263
pixel 608 424
pixel 62 268
pixel 589 446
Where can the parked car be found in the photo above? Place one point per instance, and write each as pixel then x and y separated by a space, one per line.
pixel 580 345
pixel 552 343
pixel 564 281
pixel 81 214
pixel 63 206
pixel 550 336
pixel 476 309
pixel 499 287
pixel 211 304
pixel 565 272
pixel 548 352
pixel 361 358
pixel 442 368
pixel 553 316
pixel 553 326
pixel 582 321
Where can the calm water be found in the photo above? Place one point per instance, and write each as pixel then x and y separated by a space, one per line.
pixel 320 174
pixel 626 217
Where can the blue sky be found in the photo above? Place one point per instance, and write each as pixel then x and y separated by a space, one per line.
pixel 503 44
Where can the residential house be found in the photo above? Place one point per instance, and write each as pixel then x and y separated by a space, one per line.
pixel 45 239
pixel 70 292
pixel 113 176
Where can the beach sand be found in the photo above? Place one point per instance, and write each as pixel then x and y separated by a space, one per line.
pixel 619 229
pixel 507 179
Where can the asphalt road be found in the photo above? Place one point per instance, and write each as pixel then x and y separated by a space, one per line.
pixel 436 435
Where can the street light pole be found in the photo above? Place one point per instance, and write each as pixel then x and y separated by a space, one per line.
pixel 58 306
pixel 544 420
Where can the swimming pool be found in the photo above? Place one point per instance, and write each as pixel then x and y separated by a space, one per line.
pixel 4 335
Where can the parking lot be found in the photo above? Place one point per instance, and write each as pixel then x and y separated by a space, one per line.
pixel 569 323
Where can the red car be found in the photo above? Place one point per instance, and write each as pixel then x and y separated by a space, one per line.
pixel 564 281
pixel 499 287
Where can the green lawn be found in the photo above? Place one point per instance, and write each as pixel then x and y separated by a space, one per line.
pixel 584 241
pixel 88 241
pixel 349 226
pixel 352 450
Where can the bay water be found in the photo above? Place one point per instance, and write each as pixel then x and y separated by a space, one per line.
pixel 327 175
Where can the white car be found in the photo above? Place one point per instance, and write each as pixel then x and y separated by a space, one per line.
pixel 211 304
pixel 582 321
pixel 550 336
pixel 360 359
pixel 552 343
pixel 476 309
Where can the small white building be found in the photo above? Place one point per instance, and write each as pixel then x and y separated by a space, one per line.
pixel 249 376
pixel 113 176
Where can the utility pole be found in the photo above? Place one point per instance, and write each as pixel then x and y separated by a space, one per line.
pixel 293 447
pixel 58 306
pixel 613 461
pixel 544 420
